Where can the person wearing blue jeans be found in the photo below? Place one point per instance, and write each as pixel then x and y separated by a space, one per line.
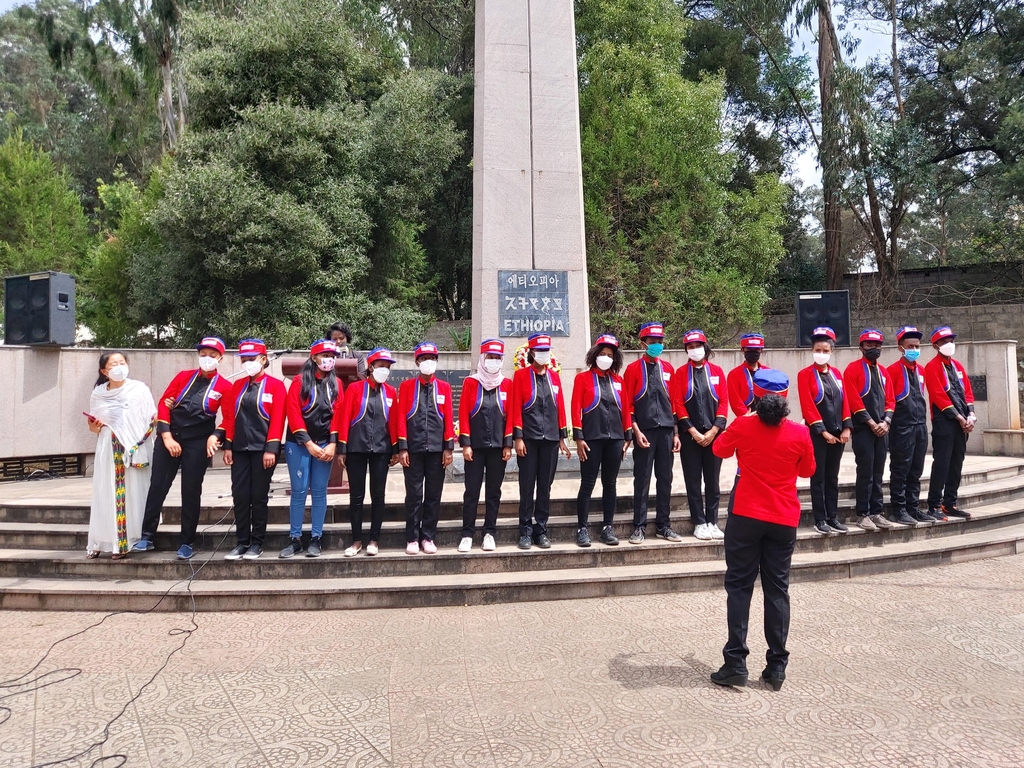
pixel 310 445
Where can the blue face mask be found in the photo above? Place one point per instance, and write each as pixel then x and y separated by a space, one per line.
pixel 654 350
pixel 912 354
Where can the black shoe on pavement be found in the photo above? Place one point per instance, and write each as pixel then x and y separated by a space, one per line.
pixel 544 542
pixel 524 542
pixel 669 535
pixel 836 526
pixel 314 550
pixel 822 527
pixel 253 552
pixel 237 552
pixel 903 519
pixel 922 518
pixel 582 538
pixel 937 514
pixel 955 511
pixel 608 536
pixel 736 678
pixel 638 536
pixel 773 679
pixel 293 548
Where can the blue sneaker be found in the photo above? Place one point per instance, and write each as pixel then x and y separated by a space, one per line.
pixel 185 552
pixel 143 545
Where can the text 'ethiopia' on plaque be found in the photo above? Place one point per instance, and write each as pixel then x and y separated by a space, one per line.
pixel 533 301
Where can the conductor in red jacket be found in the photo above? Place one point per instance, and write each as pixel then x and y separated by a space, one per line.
pixel 772 452
pixel 426 440
pixel 254 416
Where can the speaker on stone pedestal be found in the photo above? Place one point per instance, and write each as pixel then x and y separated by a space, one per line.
pixel 39 309
pixel 831 308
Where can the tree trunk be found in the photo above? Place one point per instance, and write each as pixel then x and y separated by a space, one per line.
pixel 829 152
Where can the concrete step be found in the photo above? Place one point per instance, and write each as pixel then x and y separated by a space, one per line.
pixel 479 588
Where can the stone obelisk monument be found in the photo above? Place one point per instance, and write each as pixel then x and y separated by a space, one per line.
pixel 529 259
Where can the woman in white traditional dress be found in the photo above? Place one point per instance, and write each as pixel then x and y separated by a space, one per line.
pixel 122 413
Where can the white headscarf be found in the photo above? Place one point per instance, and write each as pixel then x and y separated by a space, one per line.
pixel 487 380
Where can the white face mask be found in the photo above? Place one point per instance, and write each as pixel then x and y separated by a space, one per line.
pixel 252 367
pixel 492 366
pixel 542 358
pixel 696 354
pixel 380 375
pixel 207 364
pixel 326 364
pixel 118 373
pixel 821 358
pixel 947 349
pixel 604 362
pixel 427 367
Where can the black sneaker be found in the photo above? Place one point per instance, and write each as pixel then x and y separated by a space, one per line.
pixel 937 514
pixel 293 548
pixel 524 542
pixel 903 519
pixel 822 527
pixel 669 535
pixel 545 543
pixel 608 537
pixel 637 536
pixel 922 518
pixel 314 550
pixel 836 526
pixel 730 677
pixel 582 538
pixel 955 511
pixel 237 552
pixel 254 551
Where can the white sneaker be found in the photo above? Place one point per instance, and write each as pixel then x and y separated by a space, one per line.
pixel 372 549
pixel 428 547
pixel 466 544
pixel 715 531
pixel 702 532
pixel 412 548
pixel 489 545
pixel 353 550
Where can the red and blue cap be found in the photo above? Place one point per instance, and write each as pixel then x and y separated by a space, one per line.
pixel 606 340
pixel 379 353
pixel 492 347
pixel 539 341
pixel 942 332
pixel 871 334
pixel 823 333
pixel 252 347
pixel 770 381
pixel 693 336
pixel 322 346
pixel 425 348
pixel 908 332
pixel 752 341
pixel 212 342
pixel 654 330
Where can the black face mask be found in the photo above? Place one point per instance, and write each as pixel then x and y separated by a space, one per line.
pixel 752 355
pixel 872 354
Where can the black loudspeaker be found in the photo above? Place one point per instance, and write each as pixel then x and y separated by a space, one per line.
pixel 39 309
pixel 831 308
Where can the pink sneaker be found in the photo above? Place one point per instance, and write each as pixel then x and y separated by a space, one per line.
pixel 412 548
pixel 429 547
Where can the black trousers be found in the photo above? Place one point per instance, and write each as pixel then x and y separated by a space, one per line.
pixel 949 446
pixel 357 465
pixel 699 462
pixel 250 490
pixel 536 473
pixel 657 458
pixel 604 458
pixel 193 463
pixel 908 444
pixel 424 481
pixel 825 480
pixel 870 450
pixel 755 547
pixel 485 461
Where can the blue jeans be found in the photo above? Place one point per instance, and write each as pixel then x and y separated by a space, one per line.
pixel 308 475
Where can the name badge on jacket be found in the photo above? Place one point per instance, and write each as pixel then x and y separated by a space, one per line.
pixel 617 385
pixel 666 376
pixel 503 395
pixel 714 379
pixel 554 389
pixel 268 397
pixel 440 399
pixel 215 395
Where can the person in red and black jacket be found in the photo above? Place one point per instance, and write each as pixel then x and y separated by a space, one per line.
pixel 602 430
pixel 645 386
pixel 367 441
pixel 485 434
pixel 772 452
pixel 186 417
pixel 700 402
pixel 426 439
pixel 741 378
pixel 869 390
pixel 908 435
pixel 310 443
pixel 953 420
pixel 254 417
pixel 826 412
pixel 539 431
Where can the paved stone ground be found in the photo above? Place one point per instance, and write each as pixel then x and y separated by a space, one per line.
pixel 919 669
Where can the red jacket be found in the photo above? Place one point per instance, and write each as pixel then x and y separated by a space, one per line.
pixel 524 395
pixel 681 390
pixel 353 408
pixel 858 384
pixel 271 404
pixel 217 389
pixel 408 397
pixel 936 381
pixel 586 395
pixel 469 403
pixel 741 388
pixel 634 383
pixel 297 409
pixel 811 392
